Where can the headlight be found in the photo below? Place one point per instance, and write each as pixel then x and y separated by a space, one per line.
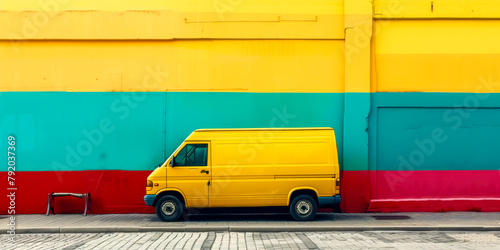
pixel 149 185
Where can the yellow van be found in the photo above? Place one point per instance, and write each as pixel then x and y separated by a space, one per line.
pixel 293 167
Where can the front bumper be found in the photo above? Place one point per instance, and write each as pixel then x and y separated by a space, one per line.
pixel 329 200
pixel 149 199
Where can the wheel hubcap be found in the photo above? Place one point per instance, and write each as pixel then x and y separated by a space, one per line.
pixel 303 207
pixel 168 208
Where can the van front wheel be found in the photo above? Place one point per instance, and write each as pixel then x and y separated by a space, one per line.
pixel 169 208
pixel 303 207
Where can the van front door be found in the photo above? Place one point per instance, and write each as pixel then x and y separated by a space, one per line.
pixel 191 173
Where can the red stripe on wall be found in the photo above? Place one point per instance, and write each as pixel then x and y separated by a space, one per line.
pixel 435 205
pixel 421 191
pixel 437 184
pixel 117 191
pixel 112 191
pixel 355 191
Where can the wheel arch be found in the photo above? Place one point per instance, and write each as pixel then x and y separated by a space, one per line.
pixel 302 190
pixel 171 191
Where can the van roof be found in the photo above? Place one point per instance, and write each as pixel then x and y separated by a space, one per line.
pixel 262 129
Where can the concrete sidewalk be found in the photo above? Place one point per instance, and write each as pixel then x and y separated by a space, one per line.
pixel 73 223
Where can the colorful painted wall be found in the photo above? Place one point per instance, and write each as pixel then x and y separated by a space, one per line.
pixel 98 93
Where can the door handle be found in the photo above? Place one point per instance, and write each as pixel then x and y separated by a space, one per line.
pixel 204 171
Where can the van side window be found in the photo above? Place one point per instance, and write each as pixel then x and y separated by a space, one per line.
pixel 192 155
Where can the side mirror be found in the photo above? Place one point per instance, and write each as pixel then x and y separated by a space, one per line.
pixel 171 163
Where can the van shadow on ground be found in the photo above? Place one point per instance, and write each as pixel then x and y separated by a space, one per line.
pixel 250 217
pixel 246 214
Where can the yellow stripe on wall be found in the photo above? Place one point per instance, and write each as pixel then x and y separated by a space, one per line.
pixel 224 6
pixel 438 73
pixel 436 9
pixel 166 25
pixel 436 36
pixel 193 19
pixel 436 56
pixel 183 65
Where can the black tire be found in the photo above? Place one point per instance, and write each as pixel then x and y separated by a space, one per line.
pixel 303 207
pixel 169 208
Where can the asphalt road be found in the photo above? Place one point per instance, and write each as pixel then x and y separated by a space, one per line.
pixel 249 240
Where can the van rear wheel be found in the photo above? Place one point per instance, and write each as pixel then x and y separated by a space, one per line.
pixel 169 208
pixel 303 207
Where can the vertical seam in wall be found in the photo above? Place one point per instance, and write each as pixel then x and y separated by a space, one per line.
pixel 164 100
pixel 375 153
pixel 357 85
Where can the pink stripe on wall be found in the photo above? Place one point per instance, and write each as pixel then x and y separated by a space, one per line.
pixel 421 191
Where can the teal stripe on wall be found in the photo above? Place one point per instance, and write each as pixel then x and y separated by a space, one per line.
pixel 188 111
pixel 357 109
pixel 435 131
pixel 59 131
